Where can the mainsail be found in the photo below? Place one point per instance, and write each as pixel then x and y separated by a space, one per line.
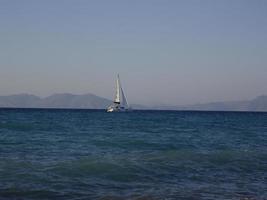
pixel 117 95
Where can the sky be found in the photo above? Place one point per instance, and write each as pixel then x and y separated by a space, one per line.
pixel 166 51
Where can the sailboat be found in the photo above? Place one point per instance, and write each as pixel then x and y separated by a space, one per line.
pixel 120 103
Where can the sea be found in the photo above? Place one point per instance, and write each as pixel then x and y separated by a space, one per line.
pixel 141 155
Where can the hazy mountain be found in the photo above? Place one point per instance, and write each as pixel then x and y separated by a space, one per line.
pixel 74 101
pixel 19 100
pixel 257 104
pixel 91 101
pixel 54 101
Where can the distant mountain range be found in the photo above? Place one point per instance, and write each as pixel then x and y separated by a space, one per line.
pixel 91 101
pixel 65 100
pixel 257 104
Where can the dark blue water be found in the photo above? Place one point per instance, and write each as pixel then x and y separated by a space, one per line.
pixel 89 154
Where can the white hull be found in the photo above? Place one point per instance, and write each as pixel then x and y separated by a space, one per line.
pixel 117 109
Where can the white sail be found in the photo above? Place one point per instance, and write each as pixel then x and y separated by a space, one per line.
pixel 117 95
pixel 123 100
pixel 120 103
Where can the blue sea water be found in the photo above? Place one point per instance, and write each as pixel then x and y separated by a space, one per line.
pixel 144 155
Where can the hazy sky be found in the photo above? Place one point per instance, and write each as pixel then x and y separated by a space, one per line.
pixel 171 52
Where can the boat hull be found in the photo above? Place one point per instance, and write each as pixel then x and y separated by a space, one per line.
pixel 118 109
